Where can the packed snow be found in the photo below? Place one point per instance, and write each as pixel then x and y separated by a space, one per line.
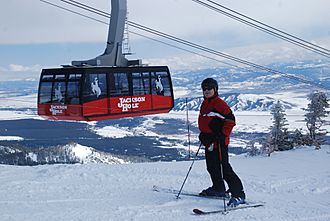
pixel 294 185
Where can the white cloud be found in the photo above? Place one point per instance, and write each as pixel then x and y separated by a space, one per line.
pixel 37 22
pixel 21 68
pixel 2 69
pixel 20 72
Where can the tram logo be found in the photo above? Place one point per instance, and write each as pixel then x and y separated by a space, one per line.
pixel 96 88
pixel 57 109
pixel 127 104
pixel 58 93
pixel 159 86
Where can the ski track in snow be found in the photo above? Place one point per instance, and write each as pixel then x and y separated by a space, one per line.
pixel 295 185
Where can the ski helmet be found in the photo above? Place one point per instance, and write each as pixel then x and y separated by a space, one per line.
pixel 210 83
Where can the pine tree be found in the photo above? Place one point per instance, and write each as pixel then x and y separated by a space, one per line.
pixel 253 149
pixel 315 114
pixel 298 138
pixel 278 136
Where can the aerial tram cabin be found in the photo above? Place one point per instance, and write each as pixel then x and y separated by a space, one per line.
pixel 100 93
pixel 106 87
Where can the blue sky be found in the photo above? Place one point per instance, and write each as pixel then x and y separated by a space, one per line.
pixel 36 35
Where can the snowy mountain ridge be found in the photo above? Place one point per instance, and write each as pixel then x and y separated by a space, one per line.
pixel 254 81
pixel 237 101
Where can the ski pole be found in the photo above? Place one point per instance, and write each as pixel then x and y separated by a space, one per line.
pixel 221 170
pixel 178 196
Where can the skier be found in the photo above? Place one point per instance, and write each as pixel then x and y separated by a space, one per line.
pixel 215 123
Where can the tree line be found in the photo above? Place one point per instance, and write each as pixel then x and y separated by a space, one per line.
pixel 23 156
pixel 280 138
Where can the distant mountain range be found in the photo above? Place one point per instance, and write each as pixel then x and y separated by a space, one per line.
pixel 247 80
pixel 238 102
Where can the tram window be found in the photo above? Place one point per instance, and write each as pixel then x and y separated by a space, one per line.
pixel 47 77
pixel 74 76
pixel 73 89
pixel 119 84
pixel 138 84
pixel 146 80
pixel 45 95
pixel 59 77
pixel 160 83
pixel 95 86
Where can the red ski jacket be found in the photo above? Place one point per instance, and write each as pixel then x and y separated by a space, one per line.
pixel 215 107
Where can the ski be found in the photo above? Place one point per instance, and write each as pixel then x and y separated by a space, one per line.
pixel 228 209
pixel 184 193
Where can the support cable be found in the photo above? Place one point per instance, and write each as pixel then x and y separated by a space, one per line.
pixel 197 46
pixel 290 39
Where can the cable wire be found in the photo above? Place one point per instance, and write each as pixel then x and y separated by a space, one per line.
pixel 268 26
pixel 291 39
pixel 197 46
pixel 144 36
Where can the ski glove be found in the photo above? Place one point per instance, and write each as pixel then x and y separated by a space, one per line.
pixel 216 125
pixel 206 138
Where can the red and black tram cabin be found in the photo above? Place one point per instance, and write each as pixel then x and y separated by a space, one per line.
pixel 100 93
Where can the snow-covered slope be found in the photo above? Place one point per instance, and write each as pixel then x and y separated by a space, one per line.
pixel 294 186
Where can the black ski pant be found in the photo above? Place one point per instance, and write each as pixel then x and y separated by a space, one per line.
pixel 213 167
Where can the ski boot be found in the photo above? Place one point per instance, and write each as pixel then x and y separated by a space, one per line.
pixel 212 192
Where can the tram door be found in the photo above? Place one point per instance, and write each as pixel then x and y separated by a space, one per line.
pixel 119 92
pixel 141 97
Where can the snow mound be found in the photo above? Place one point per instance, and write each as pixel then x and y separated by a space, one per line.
pixel 91 155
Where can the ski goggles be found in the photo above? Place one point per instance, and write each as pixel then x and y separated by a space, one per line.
pixel 207 88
